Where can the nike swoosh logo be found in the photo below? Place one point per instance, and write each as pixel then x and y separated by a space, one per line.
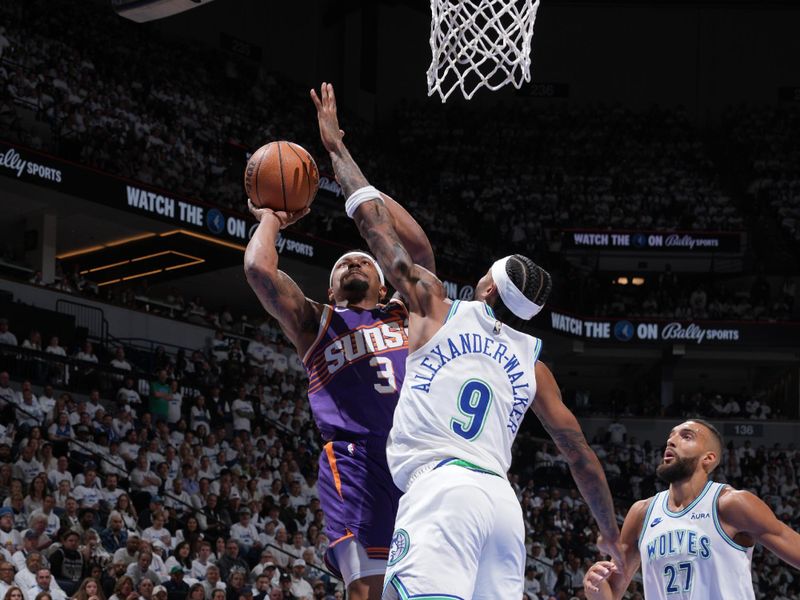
pixel 655 522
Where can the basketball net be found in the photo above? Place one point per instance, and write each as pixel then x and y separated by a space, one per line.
pixel 480 43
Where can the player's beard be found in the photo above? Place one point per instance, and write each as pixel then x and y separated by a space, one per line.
pixel 356 288
pixel 678 470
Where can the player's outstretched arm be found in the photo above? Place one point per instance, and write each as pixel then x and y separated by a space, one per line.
pixel 350 177
pixel 605 580
pixel 563 427
pixel 279 294
pixel 411 234
pixel 748 514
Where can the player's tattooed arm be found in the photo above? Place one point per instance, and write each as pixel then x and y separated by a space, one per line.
pixel 417 285
pixel 606 580
pixel 586 469
pixel 279 294
pixel 350 177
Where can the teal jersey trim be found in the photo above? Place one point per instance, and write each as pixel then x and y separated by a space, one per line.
pixel 647 518
pixel 452 310
pixel 466 465
pixel 675 515
pixel 537 350
pixel 403 594
pixel 489 310
pixel 718 525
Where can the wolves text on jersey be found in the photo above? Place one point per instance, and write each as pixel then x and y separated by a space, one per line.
pixel 680 542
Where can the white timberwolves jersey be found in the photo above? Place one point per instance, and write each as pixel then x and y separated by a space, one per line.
pixel 464 395
pixel 688 556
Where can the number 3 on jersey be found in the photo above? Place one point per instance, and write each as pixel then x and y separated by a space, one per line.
pixel 385 373
pixel 474 401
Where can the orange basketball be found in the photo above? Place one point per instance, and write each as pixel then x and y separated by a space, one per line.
pixel 281 176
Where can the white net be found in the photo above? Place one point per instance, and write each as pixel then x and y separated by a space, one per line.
pixel 480 43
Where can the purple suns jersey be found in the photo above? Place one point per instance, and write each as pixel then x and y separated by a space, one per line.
pixel 355 370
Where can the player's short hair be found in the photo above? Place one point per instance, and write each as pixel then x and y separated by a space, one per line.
pixel 531 279
pixel 716 435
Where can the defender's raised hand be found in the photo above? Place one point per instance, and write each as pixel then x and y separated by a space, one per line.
pixel 326 115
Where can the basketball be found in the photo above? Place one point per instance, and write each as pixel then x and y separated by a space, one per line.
pixel 281 176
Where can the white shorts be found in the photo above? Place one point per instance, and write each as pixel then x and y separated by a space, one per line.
pixel 353 562
pixel 459 534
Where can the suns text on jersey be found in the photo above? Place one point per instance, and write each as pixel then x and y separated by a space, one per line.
pixel 364 341
pixel 474 343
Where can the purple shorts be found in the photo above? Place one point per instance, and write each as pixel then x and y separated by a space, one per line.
pixel 358 495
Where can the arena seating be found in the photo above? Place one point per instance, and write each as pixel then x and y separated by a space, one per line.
pixel 595 166
pixel 265 460
pixel 251 442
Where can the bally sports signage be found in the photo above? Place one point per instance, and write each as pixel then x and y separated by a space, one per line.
pixel 41 169
pixel 670 331
pixel 653 241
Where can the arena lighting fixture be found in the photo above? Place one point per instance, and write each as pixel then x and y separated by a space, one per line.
pixel 111 244
pixel 622 281
pixel 207 238
pixel 143 11
pixel 637 281
pixel 193 260
pixel 196 260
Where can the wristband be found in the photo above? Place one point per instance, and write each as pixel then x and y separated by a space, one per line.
pixel 357 198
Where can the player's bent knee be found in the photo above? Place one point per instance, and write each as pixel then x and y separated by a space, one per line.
pixel 366 588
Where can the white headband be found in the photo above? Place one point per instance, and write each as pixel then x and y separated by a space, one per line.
pixel 357 253
pixel 510 294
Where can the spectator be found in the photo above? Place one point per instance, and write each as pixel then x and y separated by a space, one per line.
pixel 27 467
pixel 6 337
pixel 300 587
pixel 119 361
pixel 89 589
pixel 143 479
pixel 140 569
pixel 159 396
pixel 129 554
pixel 212 581
pixel 6 577
pixel 231 560
pixel 114 537
pixel 86 353
pixel 124 589
pixel 146 588
pixel 177 588
pixel 67 564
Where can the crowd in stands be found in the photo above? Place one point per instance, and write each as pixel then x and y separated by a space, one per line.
pixel 670 295
pixel 197 479
pixel 754 406
pixel 104 98
pixel 767 140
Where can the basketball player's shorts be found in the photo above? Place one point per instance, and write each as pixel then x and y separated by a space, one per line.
pixel 360 501
pixel 459 534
